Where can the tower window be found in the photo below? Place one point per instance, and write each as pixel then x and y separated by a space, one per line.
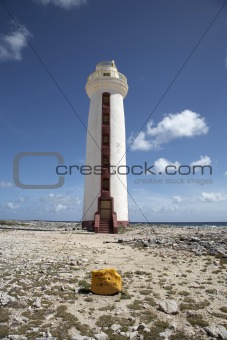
pixel 105 140
pixel 105 184
pixel 106 119
pixel 106 100
pixel 105 161
pixel 106 74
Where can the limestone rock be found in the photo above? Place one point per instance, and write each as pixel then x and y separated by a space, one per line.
pixel 37 303
pixel 49 338
pixel 141 326
pixel 169 307
pixel 115 327
pixel 80 337
pixel 217 331
pixel 5 299
pixel 133 335
pixel 101 336
pixel 166 334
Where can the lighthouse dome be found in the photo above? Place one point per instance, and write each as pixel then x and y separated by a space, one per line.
pixel 106 65
pixel 106 75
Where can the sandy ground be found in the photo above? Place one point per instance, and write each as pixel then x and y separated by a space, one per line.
pixel 45 280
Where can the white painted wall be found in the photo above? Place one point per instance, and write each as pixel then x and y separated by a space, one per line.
pixel 93 156
pixel 118 183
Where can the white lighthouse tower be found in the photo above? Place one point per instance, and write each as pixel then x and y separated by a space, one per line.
pixel 105 192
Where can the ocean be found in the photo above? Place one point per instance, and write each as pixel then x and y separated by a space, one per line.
pixel 150 224
pixel 184 224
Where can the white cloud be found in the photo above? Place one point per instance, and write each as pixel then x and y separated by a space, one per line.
pixel 140 142
pixel 204 160
pixel 11 205
pixel 60 207
pixel 165 208
pixel 57 203
pixel 5 184
pixel 177 199
pixel 12 44
pixel 184 124
pixel 65 4
pixel 161 164
pixel 213 197
pixel 225 173
pixel 184 205
pixel 22 200
pixel 53 197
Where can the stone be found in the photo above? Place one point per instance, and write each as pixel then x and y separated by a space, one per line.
pixel 101 336
pixel 173 325
pixel 169 307
pixel 194 239
pixel 124 334
pixel 131 318
pixel 37 303
pixel 198 253
pixel 20 319
pixel 133 335
pixel 141 326
pixel 217 331
pixel 84 260
pixel 146 306
pixel 115 327
pixel 106 281
pixel 147 330
pixel 5 299
pixel 166 334
pixel 52 338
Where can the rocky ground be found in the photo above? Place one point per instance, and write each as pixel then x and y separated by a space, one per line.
pixel 174 283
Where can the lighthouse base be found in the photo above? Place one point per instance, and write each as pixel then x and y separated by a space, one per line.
pixel 93 227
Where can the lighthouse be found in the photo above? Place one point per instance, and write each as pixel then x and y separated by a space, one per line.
pixel 105 190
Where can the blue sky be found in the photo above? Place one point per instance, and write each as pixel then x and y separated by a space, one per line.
pixel 45 109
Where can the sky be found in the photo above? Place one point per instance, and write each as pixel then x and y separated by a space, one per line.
pixel 173 54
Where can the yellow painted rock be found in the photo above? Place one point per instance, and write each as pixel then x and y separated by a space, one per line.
pixel 106 281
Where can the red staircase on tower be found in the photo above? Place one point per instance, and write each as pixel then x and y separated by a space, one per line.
pixel 106 227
